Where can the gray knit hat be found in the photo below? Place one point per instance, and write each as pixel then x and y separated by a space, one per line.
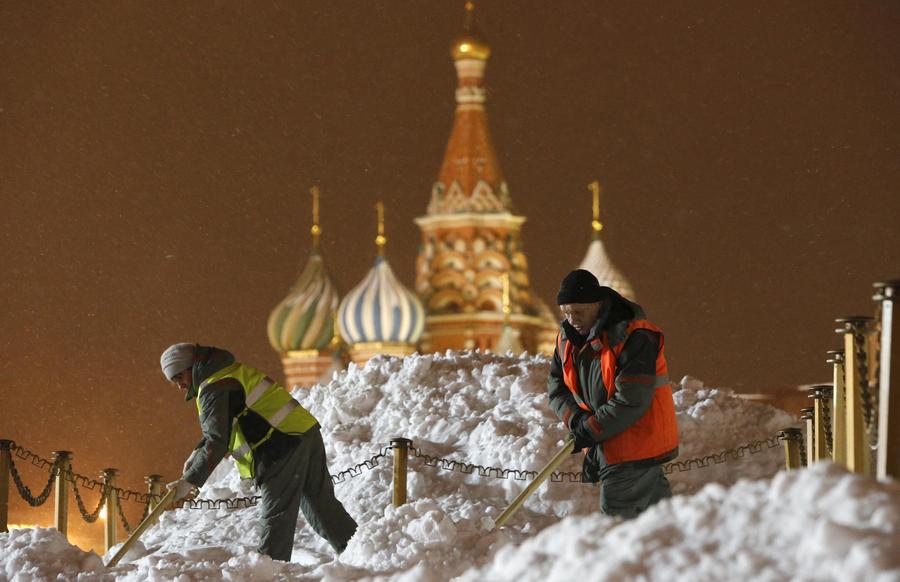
pixel 176 359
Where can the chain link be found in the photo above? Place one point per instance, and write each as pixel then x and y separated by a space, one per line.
pixel 826 396
pixel 244 502
pixel 91 484
pixel 868 397
pixel 736 453
pixel 125 523
pixel 24 490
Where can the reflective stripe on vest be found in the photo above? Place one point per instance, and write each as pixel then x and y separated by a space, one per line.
pixel 266 398
pixel 656 432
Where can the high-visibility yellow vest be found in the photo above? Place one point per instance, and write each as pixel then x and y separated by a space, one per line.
pixel 266 398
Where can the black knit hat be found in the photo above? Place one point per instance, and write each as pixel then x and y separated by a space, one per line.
pixel 579 286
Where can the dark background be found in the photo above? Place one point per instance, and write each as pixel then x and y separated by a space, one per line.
pixel 155 161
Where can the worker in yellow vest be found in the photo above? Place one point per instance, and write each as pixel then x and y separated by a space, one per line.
pixel 609 384
pixel 272 439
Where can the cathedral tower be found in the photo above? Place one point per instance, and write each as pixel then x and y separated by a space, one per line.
pixel 470 236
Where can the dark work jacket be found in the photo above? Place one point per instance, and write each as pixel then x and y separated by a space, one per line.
pixel 630 400
pixel 220 403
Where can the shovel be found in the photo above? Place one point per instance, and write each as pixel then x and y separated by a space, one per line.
pixel 541 477
pixel 148 521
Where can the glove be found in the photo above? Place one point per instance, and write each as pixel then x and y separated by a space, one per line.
pixel 181 487
pixel 586 431
pixel 580 443
pixel 590 470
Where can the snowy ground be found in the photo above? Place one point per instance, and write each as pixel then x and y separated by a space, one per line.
pixel 730 521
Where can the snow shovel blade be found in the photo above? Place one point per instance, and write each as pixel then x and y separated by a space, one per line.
pixel 541 477
pixel 151 518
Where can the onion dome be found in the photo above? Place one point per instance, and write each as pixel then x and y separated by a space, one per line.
pixel 470 44
pixel 597 261
pixel 304 320
pixel 380 309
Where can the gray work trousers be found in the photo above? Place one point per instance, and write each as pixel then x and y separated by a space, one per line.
pixel 302 481
pixel 626 491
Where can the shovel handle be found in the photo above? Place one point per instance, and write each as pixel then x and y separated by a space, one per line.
pixel 151 518
pixel 541 477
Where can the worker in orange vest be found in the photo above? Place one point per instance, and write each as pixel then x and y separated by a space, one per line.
pixel 609 385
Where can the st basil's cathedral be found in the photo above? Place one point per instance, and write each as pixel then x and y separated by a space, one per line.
pixel 472 288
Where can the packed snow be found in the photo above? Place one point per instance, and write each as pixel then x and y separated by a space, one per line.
pixel 731 520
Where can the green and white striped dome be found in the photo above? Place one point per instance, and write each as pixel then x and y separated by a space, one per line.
pixel 304 320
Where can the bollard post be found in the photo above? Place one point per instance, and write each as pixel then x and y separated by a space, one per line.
pixel 401 448
pixel 888 462
pixel 112 507
pixel 63 460
pixel 5 462
pixel 838 409
pixel 821 420
pixel 791 438
pixel 809 442
pixel 154 488
pixel 858 454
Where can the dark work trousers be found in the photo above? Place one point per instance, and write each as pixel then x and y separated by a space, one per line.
pixel 626 491
pixel 302 482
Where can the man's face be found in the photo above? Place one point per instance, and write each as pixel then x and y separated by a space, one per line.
pixel 581 316
pixel 183 380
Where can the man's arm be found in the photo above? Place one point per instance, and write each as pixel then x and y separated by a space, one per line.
pixel 561 400
pixel 635 381
pixel 215 422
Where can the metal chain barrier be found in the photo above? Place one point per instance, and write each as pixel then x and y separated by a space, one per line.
pixel 869 397
pixel 40 462
pixel 91 484
pixel 827 395
pixel 125 523
pixel 736 453
pixel 244 502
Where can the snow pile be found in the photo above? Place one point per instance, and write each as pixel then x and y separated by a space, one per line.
pixel 816 524
pixel 476 408
pixel 44 554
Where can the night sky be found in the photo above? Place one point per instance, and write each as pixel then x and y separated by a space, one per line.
pixel 156 158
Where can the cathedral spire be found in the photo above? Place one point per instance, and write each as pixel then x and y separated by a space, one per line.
pixel 596 260
pixel 470 179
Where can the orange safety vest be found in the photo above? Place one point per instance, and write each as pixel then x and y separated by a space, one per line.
pixel 656 432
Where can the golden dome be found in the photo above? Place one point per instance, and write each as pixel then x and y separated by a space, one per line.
pixel 470 44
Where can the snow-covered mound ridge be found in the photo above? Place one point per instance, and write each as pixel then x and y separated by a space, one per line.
pixel 820 523
pixel 467 406
pixel 472 407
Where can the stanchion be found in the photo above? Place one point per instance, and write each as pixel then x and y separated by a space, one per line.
pixel 821 395
pixel 791 438
pixel 154 488
pixel 888 462
pixel 112 507
pixel 858 455
pixel 5 462
pixel 63 460
pixel 808 415
pixel 401 448
pixel 838 409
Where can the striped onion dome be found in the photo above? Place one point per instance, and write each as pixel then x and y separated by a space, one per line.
pixel 597 262
pixel 304 320
pixel 381 309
